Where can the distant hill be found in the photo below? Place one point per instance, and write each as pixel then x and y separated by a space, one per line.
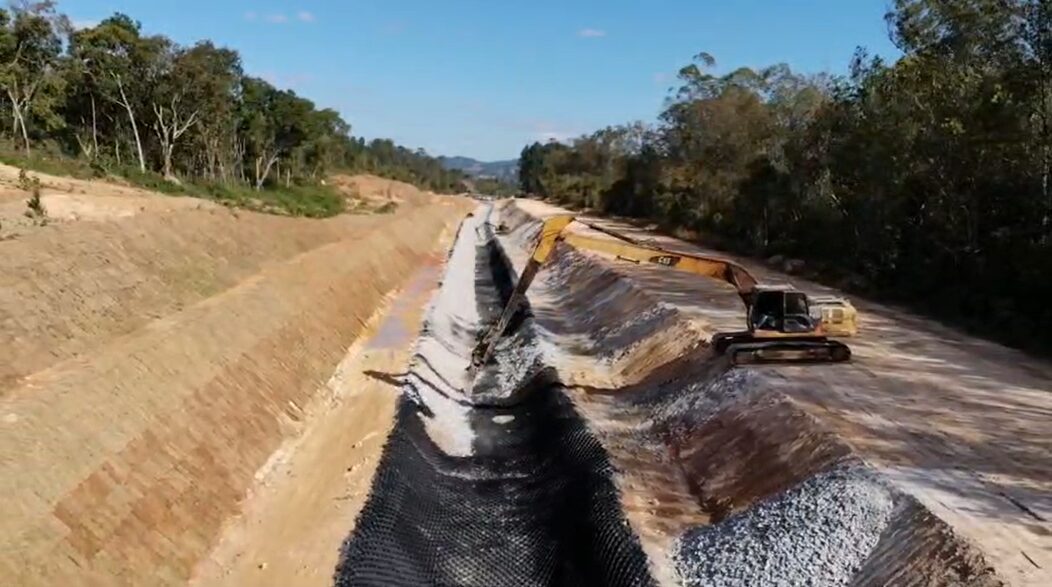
pixel 507 171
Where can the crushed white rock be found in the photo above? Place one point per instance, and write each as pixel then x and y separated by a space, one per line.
pixel 818 533
pixel 438 373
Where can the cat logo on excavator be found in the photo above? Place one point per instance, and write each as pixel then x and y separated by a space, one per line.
pixel 666 260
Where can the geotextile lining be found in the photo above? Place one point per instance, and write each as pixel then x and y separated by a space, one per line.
pixel 532 504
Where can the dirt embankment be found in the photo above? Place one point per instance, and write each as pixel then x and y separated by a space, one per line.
pixel 731 476
pixel 369 193
pixel 156 353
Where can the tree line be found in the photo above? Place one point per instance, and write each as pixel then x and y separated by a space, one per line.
pixel 121 99
pixel 924 180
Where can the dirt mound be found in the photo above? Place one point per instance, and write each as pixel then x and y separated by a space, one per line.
pixel 723 475
pixel 158 362
pixel 70 200
pixel 370 192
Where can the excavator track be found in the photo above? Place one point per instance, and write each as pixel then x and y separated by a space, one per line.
pixel 744 349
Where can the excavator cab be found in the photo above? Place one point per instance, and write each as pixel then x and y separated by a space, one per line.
pixel 781 310
pixel 783 328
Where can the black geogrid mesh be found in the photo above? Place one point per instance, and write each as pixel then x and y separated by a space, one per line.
pixel 533 506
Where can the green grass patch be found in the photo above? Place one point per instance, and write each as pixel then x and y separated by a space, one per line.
pixel 52 165
pixel 309 200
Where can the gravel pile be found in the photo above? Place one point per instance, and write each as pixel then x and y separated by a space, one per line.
pixel 818 533
pixel 693 405
pixel 517 361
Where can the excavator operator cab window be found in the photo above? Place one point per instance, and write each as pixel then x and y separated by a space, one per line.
pixel 797 313
pixel 796 304
pixel 768 310
pixel 782 311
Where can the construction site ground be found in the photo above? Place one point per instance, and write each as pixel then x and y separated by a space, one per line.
pixel 962 424
pixel 162 358
pixel 192 394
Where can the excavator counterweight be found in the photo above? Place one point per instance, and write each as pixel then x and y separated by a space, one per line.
pixel 783 324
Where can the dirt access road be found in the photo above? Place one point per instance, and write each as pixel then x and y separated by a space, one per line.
pixel 962 424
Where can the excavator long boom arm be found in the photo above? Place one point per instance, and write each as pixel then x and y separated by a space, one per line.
pixel 622 247
pixel 732 273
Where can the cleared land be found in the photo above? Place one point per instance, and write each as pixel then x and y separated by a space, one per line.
pixel 227 398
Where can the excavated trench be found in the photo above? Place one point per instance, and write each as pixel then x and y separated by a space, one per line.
pixel 721 477
pixel 503 485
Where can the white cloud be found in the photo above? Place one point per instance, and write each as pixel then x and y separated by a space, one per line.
pixel 590 33
pixel 554 135
pixel 287 80
pixel 305 16
pixel 81 24
pixel 277 18
pixel 548 130
pixel 251 16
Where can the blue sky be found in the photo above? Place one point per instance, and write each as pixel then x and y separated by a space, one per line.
pixel 482 78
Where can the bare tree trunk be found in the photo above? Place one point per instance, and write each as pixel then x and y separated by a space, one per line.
pixel 18 120
pixel 94 125
pixel 131 118
pixel 168 161
pixel 239 160
pixel 169 131
pixel 211 157
pixel 25 134
pixel 260 178
pixel 86 149
pixel 89 150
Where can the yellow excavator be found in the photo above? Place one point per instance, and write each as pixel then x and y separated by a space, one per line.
pixel 783 324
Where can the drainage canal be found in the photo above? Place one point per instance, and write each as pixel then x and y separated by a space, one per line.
pixel 533 503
